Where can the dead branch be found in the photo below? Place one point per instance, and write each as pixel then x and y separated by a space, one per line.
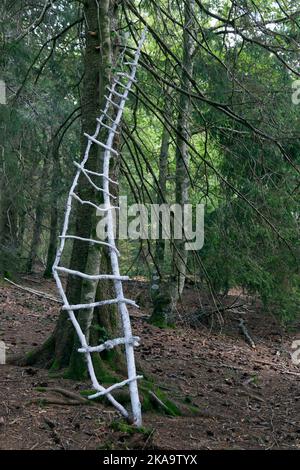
pixel 34 292
pixel 245 332
pixel 159 402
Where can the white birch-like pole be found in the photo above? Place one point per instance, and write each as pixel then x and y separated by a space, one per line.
pixel 133 387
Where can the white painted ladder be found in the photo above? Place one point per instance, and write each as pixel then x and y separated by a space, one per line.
pixel 117 100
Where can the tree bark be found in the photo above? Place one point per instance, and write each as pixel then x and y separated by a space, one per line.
pixel 162 193
pixel 180 254
pixel 60 351
pixel 52 246
pixel 158 282
pixel 8 234
pixel 168 292
pixel 39 215
pixel 8 220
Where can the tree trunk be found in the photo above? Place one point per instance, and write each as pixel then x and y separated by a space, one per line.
pixel 60 351
pixel 158 281
pixel 39 216
pixel 167 292
pixel 162 193
pixel 8 235
pixel 52 246
pixel 8 226
pixel 180 254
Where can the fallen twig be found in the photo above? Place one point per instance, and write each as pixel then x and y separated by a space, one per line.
pixel 249 394
pixel 35 292
pixel 223 309
pixel 159 402
pixel 276 367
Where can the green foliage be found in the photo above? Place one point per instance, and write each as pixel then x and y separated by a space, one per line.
pixel 244 133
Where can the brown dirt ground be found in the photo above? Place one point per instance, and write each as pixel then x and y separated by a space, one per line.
pixel 246 398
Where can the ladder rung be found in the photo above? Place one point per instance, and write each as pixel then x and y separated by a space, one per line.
pixel 113 387
pixel 90 276
pixel 89 203
pixel 127 87
pixel 124 74
pixel 74 195
pixel 106 126
pixel 111 343
pixel 116 93
pixel 91 240
pixel 104 115
pixel 113 103
pixel 106 147
pixel 100 304
pixel 100 174
pixel 97 187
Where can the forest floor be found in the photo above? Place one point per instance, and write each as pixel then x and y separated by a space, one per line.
pixel 245 398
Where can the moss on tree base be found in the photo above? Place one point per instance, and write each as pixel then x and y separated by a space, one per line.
pixel 162 312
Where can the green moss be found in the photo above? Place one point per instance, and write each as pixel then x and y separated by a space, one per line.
pixel 125 428
pixel 56 374
pixel 56 370
pixel 150 404
pixel 160 323
pixel 111 359
pixel 75 372
pixel 30 357
pixel 194 410
pixel 55 365
pixel 41 402
pixel 101 399
pixel 86 393
pixel 162 314
pixel 187 399
pixel 146 404
pixel 103 370
pixel 170 404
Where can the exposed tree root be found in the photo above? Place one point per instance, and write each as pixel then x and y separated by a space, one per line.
pixel 56 401
pixel 70 398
